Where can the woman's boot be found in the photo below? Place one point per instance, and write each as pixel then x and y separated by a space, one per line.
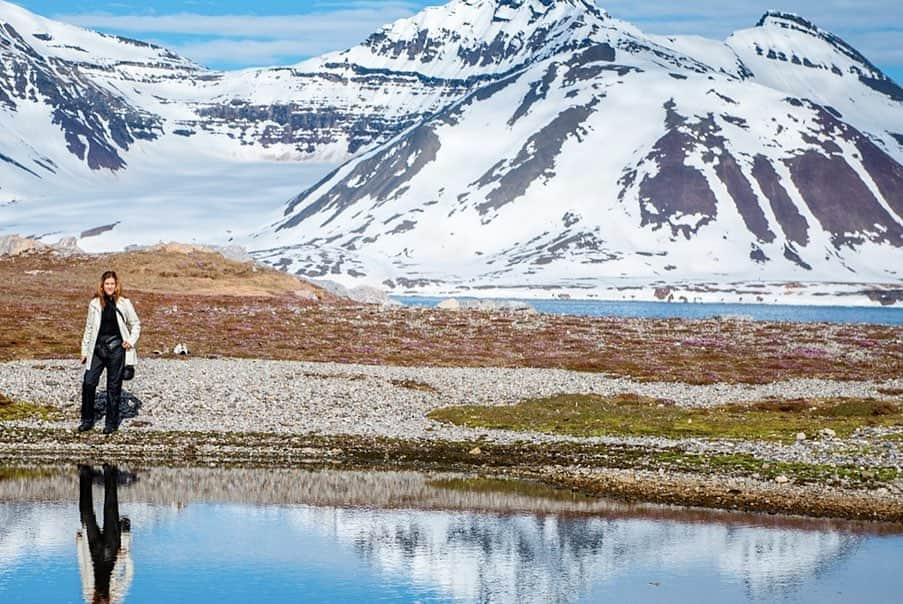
pixel 88 394
pixel 111 423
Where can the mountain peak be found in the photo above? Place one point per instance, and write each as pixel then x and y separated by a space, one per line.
pixel 794 22
pixel 478 37
pixel 787 20
pixel 518 4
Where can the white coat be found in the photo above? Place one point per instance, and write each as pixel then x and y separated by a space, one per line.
pixel 129 329
pixel 123 571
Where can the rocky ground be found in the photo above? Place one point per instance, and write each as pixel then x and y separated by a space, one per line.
pixel 280 412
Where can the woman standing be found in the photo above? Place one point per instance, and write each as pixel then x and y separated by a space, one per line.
pixel 111 332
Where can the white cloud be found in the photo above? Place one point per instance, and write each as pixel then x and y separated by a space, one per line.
pixel 255 40
pixel 248 26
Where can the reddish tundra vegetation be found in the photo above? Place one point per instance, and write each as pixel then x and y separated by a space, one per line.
pixel 222 308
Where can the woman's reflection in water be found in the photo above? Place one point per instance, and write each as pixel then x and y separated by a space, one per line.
pixel 102 552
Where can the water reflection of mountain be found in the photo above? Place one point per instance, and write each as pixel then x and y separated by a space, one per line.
pixel 491 544
pixel 521 558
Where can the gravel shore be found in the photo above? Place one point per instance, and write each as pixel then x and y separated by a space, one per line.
pixel 283 397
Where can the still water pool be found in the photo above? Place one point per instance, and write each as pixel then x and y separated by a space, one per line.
pixel 224 536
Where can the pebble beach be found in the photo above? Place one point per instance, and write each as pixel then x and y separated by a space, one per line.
pixel 332 399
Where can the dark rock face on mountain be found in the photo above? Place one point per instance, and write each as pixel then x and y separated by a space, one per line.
pixel 792 223
pixel 302 127
pixel 97 125
pixel 677 189
pixel 380 176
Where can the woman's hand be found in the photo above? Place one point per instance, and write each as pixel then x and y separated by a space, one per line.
pixel 126 345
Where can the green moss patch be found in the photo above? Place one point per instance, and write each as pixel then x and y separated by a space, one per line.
pixel 741 464
pixel 17 473
pixel 634 415
pixel 11 410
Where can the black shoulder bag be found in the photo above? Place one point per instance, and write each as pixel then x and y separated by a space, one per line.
pixel 128 372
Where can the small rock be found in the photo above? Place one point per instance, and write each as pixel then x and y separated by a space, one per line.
pixel 800 436
pixel 827 433
pixel 450 304
pixel 371 295
pixel 180 349
pixel 475 451
pixel 782 479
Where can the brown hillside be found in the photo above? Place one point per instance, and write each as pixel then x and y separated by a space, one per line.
pixel 171 268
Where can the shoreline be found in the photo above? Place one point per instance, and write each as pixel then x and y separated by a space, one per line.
pixel 772 292
pixel 554 467
pixel 291 414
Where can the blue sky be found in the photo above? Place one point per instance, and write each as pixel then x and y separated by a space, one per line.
pixel 229 34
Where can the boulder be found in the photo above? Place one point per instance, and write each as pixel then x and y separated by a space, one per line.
pixel 365 294
pixel 236 253
pixel 13 245
pixel 67 246
pixel 371 295
pixel 487 305
pixel 450 304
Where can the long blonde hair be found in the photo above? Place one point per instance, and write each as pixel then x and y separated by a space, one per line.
pixel 116 294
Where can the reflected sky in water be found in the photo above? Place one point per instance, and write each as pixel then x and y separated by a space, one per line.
pixel 183 549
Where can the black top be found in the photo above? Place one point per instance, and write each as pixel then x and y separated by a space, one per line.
pixel 108 324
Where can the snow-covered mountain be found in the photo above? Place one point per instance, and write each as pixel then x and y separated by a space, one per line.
pixel 773 155
pixel 513 144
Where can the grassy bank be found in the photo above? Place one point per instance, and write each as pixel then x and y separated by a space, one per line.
pixel 634 415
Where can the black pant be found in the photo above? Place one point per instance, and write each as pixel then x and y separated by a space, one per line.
pixel 104 545
pixel 113 360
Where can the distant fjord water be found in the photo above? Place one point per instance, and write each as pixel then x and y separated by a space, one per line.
pixel 679 310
